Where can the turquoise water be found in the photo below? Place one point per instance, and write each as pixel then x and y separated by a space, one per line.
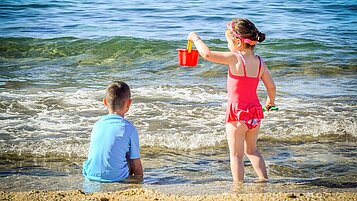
pixel 56 57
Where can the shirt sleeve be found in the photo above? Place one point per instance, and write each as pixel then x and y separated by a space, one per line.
pixel 134 145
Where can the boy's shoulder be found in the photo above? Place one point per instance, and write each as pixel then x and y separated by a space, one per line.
pixel 113 119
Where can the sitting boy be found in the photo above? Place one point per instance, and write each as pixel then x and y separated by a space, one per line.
pixel 114 152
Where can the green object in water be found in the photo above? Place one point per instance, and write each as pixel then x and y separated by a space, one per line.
pixel 271 108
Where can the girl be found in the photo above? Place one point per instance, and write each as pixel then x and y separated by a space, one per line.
pixel 244 111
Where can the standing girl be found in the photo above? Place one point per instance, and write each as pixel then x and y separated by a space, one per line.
pixel 244 110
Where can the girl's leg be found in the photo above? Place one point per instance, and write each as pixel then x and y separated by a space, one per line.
pixel 253 154
pixel 235 136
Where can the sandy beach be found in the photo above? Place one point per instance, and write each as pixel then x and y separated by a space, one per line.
pixel 146 194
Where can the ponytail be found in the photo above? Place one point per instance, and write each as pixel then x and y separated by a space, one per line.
pixel 260 37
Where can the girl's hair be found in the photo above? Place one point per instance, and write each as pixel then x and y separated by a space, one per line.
pixel 247 29
pixel 116 93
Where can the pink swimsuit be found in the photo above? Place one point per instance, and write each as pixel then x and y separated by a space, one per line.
pixel 243 103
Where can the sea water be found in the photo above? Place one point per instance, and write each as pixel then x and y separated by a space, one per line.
pixel 56 58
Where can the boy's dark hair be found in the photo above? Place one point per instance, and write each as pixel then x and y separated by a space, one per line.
pixel 116 93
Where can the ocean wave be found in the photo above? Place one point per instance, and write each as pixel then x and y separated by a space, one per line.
pixel 287 56
pixel 58 121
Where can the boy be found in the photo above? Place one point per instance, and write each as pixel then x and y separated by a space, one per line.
pixel 114 152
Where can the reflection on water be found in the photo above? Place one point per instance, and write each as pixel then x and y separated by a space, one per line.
pixel 202 171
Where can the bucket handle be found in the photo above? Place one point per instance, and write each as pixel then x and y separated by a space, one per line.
pixel 189 46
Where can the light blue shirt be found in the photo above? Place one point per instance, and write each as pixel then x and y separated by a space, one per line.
pixel 111 139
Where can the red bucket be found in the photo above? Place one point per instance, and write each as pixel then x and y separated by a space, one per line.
pixel 186 58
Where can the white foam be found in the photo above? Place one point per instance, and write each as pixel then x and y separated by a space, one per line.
pixel 197 94
pixel 309 117
pixel 183 117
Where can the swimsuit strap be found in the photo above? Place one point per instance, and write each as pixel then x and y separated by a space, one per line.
pixel 244 63
pixel 260 66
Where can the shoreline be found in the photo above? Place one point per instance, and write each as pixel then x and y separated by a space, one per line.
pixel 148 194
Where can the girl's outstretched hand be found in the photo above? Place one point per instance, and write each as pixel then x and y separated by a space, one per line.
pixel 192 36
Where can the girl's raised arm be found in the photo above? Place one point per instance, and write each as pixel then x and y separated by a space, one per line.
pixel 227 58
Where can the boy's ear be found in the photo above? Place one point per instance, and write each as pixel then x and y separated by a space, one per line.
pixel 105 102
pixel 129 102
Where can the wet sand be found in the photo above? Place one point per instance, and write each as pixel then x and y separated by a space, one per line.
pixel 146 194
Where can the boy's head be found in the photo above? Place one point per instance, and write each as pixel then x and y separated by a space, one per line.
pixel 117 96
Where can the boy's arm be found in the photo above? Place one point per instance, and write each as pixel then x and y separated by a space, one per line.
pixel 136 167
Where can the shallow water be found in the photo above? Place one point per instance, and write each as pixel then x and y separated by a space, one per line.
pixel 53 75
pixel 202 171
